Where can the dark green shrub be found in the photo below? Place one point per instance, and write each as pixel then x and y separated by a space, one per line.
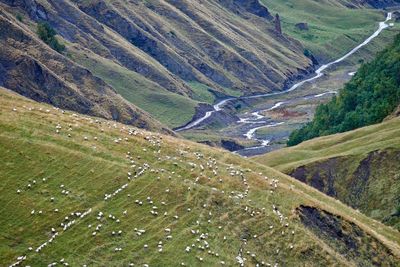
pixel 307 53
pixel 48 35
pixel 19 17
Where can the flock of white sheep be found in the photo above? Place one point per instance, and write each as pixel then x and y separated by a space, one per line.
pixel 207 169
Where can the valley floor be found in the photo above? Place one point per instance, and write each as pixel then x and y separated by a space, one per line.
pixel 261 125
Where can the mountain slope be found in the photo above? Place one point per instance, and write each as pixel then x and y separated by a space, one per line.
pixel 359 167
pixel 170 57
pixel 371 95
pixel 180 51
pixel 31 68
pixel 328 28
pixel 116 195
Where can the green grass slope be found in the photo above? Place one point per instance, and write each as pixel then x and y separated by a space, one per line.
pixel 169 108
pixel 87 191
pixel 361 141
pixel 334 28
pixel 359 167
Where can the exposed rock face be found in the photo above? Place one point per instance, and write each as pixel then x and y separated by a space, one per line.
pixel 251 6
pixel 110 17
pixel 303 26
pixel 358 247
pixel 380 3
pixel 371 3
pixel 396 16
pixel 231 145
pixel 34 9
pixel 278 27
pixel 31 68
pixel 367 186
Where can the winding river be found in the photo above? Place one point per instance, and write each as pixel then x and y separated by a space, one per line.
pixel 257 116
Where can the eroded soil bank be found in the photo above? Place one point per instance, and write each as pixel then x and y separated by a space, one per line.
pixel 357 247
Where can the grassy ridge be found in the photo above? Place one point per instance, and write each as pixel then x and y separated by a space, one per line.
pixel 359 168
pixel 236 202
pixel 361 141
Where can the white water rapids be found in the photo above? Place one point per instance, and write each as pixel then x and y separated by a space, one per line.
pixel 257 115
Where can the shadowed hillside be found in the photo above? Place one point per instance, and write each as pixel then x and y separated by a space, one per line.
pixel 31 68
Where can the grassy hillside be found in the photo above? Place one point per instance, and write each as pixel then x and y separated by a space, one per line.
pixel 359 167
pixel 34 68
pixel 99 193
pixel 379 136
pixel 165 56
pixel 334 28
pixel 167 107
pixel 173 52
pixel 368 98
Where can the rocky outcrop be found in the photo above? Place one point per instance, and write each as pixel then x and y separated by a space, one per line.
pixel 324 183
pixel 228 144
pixel 396 16
pixel 303 26
pixel 107 15
pixel 89 34
pixel 35 10
pixel 277 22
pixel 231 145
pixel 381 3
pixel 371 3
